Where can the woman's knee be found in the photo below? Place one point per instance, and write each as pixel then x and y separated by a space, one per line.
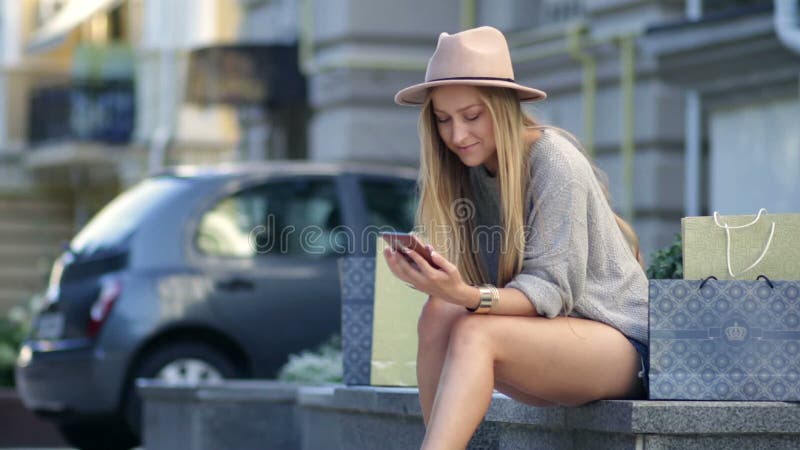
pixel 469 333
pixel 436 319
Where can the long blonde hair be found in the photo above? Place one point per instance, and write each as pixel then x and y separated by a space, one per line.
pixel 445 215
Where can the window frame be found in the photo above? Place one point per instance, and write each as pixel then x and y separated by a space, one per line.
pixel 236 186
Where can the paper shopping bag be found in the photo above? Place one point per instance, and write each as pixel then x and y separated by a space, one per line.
pixel 725 340
pixel 394 330
pixel 357 277
pixel 734 247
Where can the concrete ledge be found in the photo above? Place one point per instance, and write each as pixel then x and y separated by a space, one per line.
pixel 238 415
pixel 262 414
pixel 606 424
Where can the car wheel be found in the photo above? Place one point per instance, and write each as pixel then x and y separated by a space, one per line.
pixel 179 363
pixel 98 435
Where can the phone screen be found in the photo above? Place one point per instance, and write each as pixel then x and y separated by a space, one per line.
pixel 398 240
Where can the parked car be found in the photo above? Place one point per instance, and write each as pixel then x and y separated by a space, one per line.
pixel 199 274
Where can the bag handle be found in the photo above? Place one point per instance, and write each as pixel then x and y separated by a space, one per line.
pixel 728 229
pixel 712 277
pixel 769 282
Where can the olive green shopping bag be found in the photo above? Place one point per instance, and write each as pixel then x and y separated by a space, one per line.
pixel 394 328
pixel 742 246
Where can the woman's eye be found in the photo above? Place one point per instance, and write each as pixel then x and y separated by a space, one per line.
pixel 440 120
pixel 474 117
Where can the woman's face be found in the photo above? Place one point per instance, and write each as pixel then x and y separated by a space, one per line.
pixel 465 125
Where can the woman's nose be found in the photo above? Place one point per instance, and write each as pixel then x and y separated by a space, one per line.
pixel 460 132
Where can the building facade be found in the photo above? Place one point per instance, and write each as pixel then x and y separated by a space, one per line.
pixel 96 95
pixel 585 54
pixel 689 106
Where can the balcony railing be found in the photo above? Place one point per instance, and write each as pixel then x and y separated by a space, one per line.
pixel 714 7
pixel 82 111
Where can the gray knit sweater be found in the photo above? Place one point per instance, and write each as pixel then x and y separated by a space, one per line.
pixel 574 253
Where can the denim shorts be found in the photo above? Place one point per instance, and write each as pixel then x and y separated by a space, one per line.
pixel 644 356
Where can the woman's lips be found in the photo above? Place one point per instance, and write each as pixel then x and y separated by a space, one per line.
pixel 467 148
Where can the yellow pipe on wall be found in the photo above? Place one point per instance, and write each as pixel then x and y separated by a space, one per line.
pixel 627 45
pixel 305 38
pixel 575 47
pixel 469 14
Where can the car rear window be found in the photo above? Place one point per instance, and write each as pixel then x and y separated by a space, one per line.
pixel 390 203
pixel 110 227
pixel 295 217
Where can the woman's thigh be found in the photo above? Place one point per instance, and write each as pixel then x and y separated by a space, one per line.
pixel 520 396
pixel 564 360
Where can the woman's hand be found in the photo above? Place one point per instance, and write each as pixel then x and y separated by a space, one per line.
pixel 444 283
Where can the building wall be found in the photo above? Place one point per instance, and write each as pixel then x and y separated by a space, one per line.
pixel 364 51
pixel 755 157
pixel 166 33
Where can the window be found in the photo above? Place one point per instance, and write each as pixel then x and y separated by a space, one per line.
pixel 391 203
pixel 281 218
pixel 711 7
pixel 754 157
pixel 117 221
pixel 518 15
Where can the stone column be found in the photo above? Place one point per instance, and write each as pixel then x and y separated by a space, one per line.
pixel 363 52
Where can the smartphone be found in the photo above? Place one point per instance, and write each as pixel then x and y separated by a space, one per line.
pixel 399 240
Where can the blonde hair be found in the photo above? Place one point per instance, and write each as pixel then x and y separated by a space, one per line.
pixel 445 215
pixel 444 184
pixel 631 239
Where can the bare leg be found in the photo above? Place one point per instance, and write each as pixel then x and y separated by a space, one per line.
pixel 564 361
pixel 433 329
pixel 520 396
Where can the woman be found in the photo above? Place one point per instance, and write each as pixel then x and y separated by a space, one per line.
pixel 510 204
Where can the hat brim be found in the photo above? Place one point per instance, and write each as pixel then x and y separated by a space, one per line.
pixel 417 94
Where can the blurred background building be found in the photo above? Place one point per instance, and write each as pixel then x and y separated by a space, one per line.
pixel 689 106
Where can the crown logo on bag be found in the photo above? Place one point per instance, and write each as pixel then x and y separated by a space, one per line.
pixel 736 332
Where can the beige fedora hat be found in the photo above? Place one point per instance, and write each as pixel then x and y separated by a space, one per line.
pixel 477 57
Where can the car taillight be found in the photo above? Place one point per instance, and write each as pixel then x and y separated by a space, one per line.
pixel 109 292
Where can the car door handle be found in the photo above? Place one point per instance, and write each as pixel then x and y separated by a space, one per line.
pixel 235 284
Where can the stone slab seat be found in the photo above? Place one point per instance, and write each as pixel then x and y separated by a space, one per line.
pixel 365 417
pixel 268 415
pixel 246 415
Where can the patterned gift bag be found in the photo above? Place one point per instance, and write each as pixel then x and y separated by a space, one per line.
pixel 741 247
pixel 357 275
pixel 725 340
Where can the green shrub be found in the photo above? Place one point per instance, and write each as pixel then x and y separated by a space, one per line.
pixel 667 263
pixel 323 365
pixel 13 329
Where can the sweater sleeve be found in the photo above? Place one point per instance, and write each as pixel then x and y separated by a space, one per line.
pixel 553 275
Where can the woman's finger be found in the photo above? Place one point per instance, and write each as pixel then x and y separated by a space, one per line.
pixel 406 268
pixel 422 264
pixel 441 261
pixel 393 261
pixel 412 267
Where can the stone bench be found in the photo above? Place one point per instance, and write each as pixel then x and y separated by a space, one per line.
pixel 246 415
pixel 237 414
